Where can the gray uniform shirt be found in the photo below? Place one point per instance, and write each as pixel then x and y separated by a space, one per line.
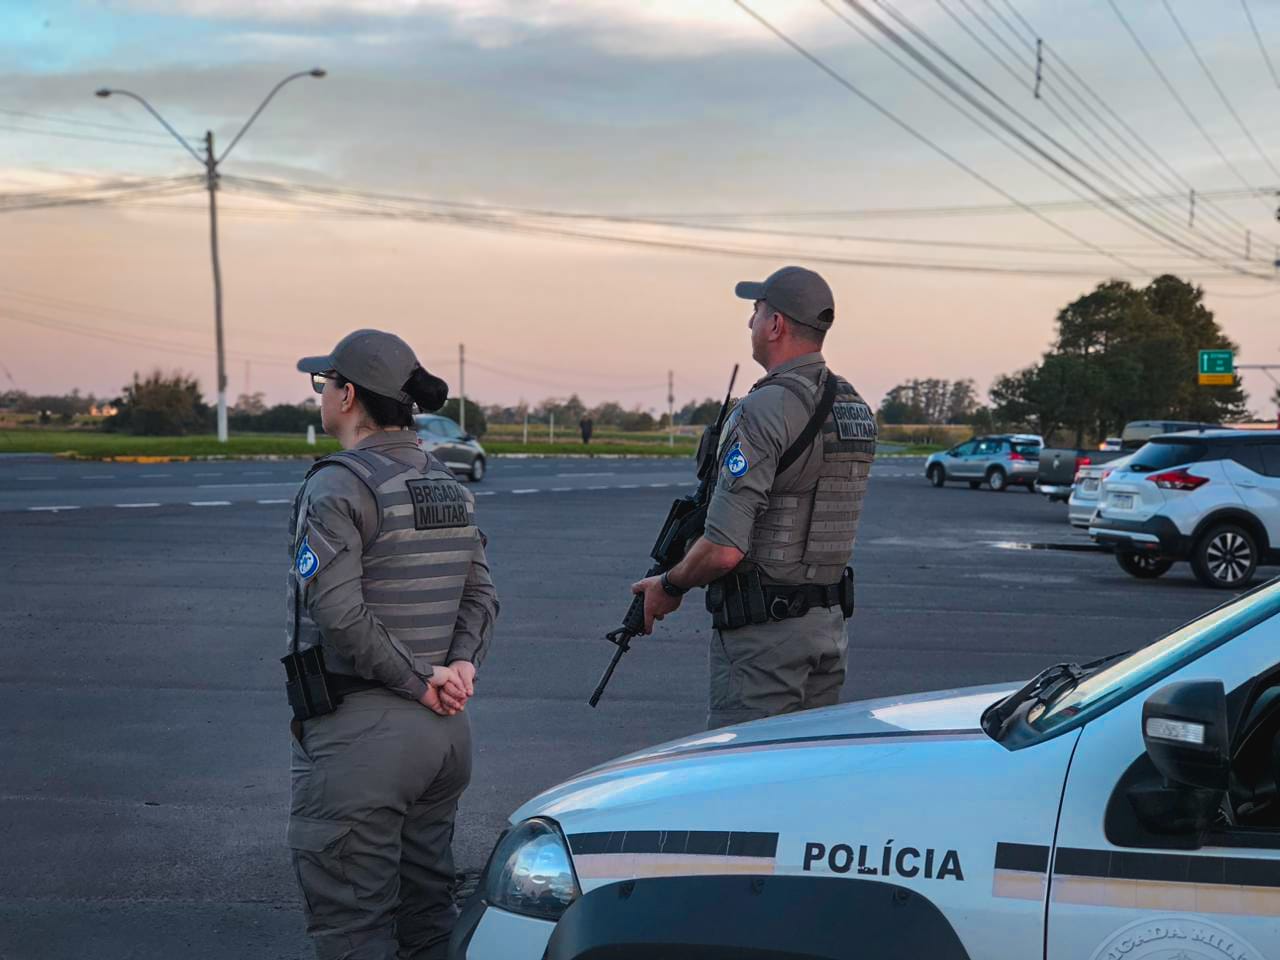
pixel 339 517
pixel 763 425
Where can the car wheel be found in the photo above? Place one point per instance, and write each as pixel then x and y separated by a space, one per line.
pixel 937 476
pixel 997 480
pixel 1226 557
pixel 477 469
pixel 1144 566
pixel 974 484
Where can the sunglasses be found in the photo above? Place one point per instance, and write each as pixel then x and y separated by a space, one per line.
pixel 318 380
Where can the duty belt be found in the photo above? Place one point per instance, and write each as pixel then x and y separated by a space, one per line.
pixel 739 599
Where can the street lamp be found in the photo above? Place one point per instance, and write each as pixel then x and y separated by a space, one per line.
pixel 210 162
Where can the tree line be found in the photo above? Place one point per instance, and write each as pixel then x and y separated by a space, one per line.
pixel 1119 353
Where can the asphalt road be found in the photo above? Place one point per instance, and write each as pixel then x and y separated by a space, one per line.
pixel 144 757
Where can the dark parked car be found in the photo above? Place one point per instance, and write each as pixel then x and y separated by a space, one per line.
pixel 460 452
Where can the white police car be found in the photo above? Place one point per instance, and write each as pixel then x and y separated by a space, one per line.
pixel 1124 809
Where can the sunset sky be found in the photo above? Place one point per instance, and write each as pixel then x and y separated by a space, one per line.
pixel 631 109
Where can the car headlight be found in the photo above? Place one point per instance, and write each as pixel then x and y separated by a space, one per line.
pixel 531 872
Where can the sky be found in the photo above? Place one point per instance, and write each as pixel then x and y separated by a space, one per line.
pixel 633 110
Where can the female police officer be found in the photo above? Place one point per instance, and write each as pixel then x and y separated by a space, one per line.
pixel 391 610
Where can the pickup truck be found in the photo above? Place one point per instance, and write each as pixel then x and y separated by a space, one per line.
pixel 1058 465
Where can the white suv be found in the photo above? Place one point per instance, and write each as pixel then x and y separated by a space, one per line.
pixel 1210 497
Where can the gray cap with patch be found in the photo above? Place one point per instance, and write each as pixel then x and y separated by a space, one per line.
pixel 799 293
pixel 378 361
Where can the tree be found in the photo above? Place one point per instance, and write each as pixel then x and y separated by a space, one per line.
pixel 929 401
pixel 1121 354
pixel 250 403
pixel 161 405
pixel 477 423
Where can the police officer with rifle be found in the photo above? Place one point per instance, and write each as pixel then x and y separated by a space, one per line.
pixel 781 495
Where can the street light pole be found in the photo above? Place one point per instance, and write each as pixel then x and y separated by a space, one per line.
pixel 210 163
pixel 211 177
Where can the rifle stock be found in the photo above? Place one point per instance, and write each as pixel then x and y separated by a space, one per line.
pixel 685 523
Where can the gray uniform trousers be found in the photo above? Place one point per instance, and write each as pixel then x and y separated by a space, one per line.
pixel 762 670
pixel 375 791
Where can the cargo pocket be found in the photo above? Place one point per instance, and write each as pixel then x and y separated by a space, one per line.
pixel 317 847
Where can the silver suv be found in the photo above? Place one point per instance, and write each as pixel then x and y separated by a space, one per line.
pixel 460 452
pixel 997 461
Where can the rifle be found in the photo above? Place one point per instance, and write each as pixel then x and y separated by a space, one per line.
pixel 684 524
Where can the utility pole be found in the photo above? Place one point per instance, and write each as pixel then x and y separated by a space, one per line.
pixel 211 180
pixel 671 409
pixel 462 387
pixel 210 161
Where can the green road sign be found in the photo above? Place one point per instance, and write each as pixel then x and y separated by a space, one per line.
pixel 1216 362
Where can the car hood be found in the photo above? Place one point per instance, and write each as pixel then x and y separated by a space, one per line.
pixel 927 718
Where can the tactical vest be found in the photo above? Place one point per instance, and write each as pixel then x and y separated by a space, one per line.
pixel 415 565
pixel 811 520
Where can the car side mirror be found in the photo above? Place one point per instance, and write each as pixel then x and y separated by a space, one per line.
pixel 468 437
pixel 1184 728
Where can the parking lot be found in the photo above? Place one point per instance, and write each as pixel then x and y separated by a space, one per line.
pixel 144 764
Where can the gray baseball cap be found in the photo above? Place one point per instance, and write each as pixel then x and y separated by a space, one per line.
pixel 376 360
pixel 799 293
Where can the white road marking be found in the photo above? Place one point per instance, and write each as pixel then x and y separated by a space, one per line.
pixel 527 490
pixel 51 509
pixel 98 476
pixel 598 487
pixel 659 484
pixel 214 474
pixel 210 503
pixel 628 486
pixel 274 501
pixel 227 486
pixel 485 493
pixel 560 489
pixel 134 506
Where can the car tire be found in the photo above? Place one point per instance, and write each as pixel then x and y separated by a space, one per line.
pixel 1144 566
pixel 477 469
pixel 997 480
pixel 937 475
pixel 1225 557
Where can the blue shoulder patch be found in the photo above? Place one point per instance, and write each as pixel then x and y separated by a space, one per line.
pixel 735 461
pixel 306 562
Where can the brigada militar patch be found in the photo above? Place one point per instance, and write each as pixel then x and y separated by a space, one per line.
pixel 854 421
pixel 438 504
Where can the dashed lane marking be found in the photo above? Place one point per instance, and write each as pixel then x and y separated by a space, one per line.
pixel 560 489
pixel 286 500
pixel 51 509
pixel 135 506
pixel 526 490
pixel 210 503
pixel 98 476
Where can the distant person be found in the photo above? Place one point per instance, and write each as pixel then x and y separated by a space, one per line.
pixel 586 426
pixel 391 610
pixel 794 458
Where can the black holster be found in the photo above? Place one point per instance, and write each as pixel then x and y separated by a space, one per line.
pixel 308 684
pixel 740 599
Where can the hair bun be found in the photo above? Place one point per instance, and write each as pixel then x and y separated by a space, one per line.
pixel 429 392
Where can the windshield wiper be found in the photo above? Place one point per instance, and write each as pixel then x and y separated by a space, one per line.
pixel 1045 687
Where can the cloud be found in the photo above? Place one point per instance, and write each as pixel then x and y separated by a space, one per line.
pixel 654 29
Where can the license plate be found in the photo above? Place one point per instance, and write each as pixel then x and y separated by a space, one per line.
pixel 1089 486
pixel 1122 501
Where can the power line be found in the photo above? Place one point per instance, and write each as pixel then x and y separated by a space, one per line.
pixel 1072 79
pixel 527 227
pixel 67 135
pixel 75 121
pixel 1218 88
pixel 1262 47
pixel 1181 102
pixel 902 124
pixel 1104 198
pixel 1230 245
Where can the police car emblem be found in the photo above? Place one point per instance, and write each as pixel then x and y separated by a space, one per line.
pixel 306 562
pixel 735 461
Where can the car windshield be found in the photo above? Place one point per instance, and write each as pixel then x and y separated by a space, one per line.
pixel 1160 455
pixel 1101 691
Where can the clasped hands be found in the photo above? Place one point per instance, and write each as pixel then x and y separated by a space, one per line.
pixel 449 688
